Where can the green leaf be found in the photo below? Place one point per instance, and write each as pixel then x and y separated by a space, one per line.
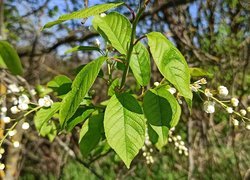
pixel 170 62
pixel 140 64
pixel 83 13
pixel 80 115
pixel 82 48
pixel 2 64
pixel 91 134
pixel 198 72
pixel 10 58
pixel 45 114
pixel 49 129
pixel 116 29
pixel 80 87
pixel 61 84
pixel 162 112
pixel 113 86
pixel 124 126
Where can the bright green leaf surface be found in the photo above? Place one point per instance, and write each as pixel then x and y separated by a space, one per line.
pixel 91 134
pixel 61 84
pixel 140 64
pixel 113 86
pixel 124 126
pixel 10 58
pixel 162 112
pixel 170 62
pixel 198 72
pixel 115 28
pixel 83 13
pixel 80 87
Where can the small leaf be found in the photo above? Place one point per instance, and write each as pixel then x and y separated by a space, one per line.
pixel 83 13
pixel 80 115
pixel 10 59
pixel 113 86
pixel 80 87
pixel 140 64
pixel 91 134
pixel 170 62
pixel 45 114
pixel 60 84
pixel 124 126
pixel 198 72
pixel 162 112
pixel 116 29
pixel 82 48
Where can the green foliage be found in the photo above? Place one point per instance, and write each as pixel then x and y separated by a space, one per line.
pixel 84 13
pixel 116 29
pixel 170 62
pixel 140 64
pixel 162 112
pixel 124 126
pixel 61 85
pixel 91 133
pixel 82 48
pixel 80 87
pixel 198 72
pixel 10 59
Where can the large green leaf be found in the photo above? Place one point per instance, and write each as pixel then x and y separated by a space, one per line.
pixel 10 59
pixel 91 134
pixel 124 126
pixel 81 85
pixel 170 62
pixel 45 114
pixel 116 29
pixel 162 112
pixel 140 64
pixel 83 13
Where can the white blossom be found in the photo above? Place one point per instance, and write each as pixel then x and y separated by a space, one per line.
pixel 45 102
pixel 178 137
pixel 102 14
pixel 2 150
pixel 12 132
pixel 6 119
pixel 156 84
pixel 209 107
pixel 223 91
pixel 235 102
pixel 235 122
pixel 230 110
pixel 25 126
pixel 23 106
pixel 14 110
pixel 4 109
pixel 33 92
pixel 195 87
pixel 248 127
pixel 13 88
pixel 23 99
pixel 1 156
pixel 16 144
pixel 172 90
pixel 2 166
pixel 248 109
pixel 208 93
pixel 243 112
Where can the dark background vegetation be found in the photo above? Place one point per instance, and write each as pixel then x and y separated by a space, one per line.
pixel 212 34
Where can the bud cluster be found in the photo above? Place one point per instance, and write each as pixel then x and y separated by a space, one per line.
pixel 147 149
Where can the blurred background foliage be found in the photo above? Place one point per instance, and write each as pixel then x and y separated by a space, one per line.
pixel 212 35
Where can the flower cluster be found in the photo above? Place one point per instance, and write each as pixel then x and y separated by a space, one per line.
pixel 148 150
pixel 178 142
pixel 2 166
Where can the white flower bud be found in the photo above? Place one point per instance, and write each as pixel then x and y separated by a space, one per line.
pixel 203 81
pixel 33 92
pixel 248 127
pixel 14 110
pixel 243 112
pixel 186 153
pixel 209 107
pixel 16 144
pixel 23 99
pixel 235 122
pixel 178 137
pixel 208 93
pixel 6 119
pixel 2 150
pixel 176 144
pixel 156 84
pixel 230 110
pixel 144 154
pixel 23 106
pixel 180 151
pixel 13 88
pixel 1 156
pixel 248 109
pixel 12 133
pixel 172 90
pixel 223 91
pixel 102 14
pixel 170 139
pixel 235 102
pixel 25 126
pixel 2 166
pixel 4 109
